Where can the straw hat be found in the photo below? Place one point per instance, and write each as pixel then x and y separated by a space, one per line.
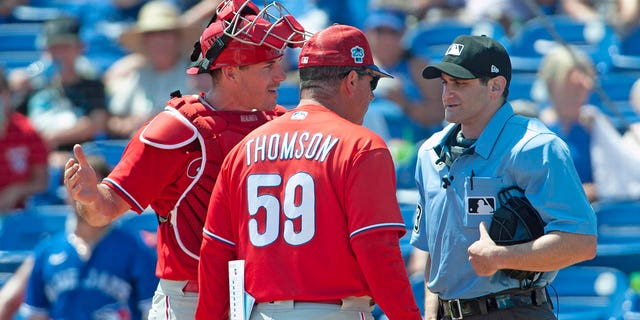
pixel 154 16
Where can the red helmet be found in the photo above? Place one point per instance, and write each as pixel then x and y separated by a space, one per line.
pixel 241 35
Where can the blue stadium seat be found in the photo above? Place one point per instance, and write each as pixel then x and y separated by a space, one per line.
pixel 10 260
pixel 19 45
pixel 615 85
pixel 589 293
pixel 431 40
pixel 110 149
pixel 146 221
pixel 28 13
pixel 618 236
pixel 20 36
pixel 534 39
pixel 613 97
pixel 289 95
pixel 22 230
pixel 626 56
pixel 55 192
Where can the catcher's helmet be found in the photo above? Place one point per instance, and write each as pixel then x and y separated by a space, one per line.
pixel 241 35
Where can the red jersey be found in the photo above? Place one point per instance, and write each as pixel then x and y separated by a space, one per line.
pixel 290 199
pixel 172 165
pixel 21 149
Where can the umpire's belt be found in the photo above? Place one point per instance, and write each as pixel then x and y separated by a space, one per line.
pixel 460 308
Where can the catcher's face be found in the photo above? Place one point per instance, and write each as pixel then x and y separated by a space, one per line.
pixel 260 83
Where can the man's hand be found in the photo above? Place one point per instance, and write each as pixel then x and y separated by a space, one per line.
pixel 80 178
pixel 483 253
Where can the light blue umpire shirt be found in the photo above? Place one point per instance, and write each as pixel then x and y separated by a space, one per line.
pixel 512 150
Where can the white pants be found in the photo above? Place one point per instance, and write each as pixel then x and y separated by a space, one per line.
pixel 170 302
pixel 351 308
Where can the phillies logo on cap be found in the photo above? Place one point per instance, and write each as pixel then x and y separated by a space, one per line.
pixel 455 49
pixel 357 54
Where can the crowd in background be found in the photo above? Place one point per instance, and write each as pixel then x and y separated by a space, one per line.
pixel 106 67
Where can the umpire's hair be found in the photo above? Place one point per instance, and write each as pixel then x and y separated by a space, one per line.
pixel 320 76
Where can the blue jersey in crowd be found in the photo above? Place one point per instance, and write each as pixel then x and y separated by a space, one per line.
pixel 116 282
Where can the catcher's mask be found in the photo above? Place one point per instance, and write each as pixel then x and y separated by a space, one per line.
pixel 239 34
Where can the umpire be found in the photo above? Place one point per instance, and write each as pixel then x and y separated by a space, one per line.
pixel 485 163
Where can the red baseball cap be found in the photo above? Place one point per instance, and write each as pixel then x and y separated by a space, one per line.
pixel 339 45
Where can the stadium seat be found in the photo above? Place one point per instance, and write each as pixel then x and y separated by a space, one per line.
pixel 616 86
pixel 23 230
pixel 589 293
pixel 10 260
pixel 626 57
pixel 19 44
pixel 146 221
pixel 28 13
pixel 612 97
pixel 527 86
pixel 110 149
pixel 618 236
pixel 19 36
pixel 431 40
pixel 534 39
pixel 55 192
pixel 289 95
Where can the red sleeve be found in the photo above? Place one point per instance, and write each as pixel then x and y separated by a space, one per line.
pixel 378 254
pixel 146 173
pixel 370 194
pixel 213 279
pixel 215 254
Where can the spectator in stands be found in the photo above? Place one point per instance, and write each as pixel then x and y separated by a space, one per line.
pixel 7 7
pixel 68 107
pixel 407 108
pixel 419 100
pixel 138 85
pixel 614 153
pixel 102 24
pixel 23 155
pixel 623 15
pixel 12 294
pixel 90 272
pixel 21 88
pixel 511 14
pixel 568 75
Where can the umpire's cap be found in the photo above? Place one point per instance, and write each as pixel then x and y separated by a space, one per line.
pixel 470 57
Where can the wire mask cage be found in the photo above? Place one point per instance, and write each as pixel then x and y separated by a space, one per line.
pixel 273 26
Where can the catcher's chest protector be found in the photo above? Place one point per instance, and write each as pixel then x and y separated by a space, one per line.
pixel 218 132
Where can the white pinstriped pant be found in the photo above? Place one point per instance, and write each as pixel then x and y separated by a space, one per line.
pixel 171 303
pixel 351 309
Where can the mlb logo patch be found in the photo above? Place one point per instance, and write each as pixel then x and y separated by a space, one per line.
pixel 357 53
pixel 455 49
pixel 481 205
pixel 299 115
pixel 304 60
